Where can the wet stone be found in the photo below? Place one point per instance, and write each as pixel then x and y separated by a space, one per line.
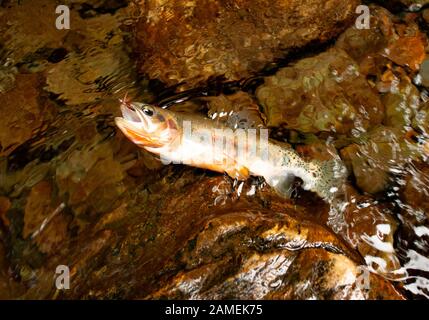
pixel 424 73
pixel 267 269
pixel 22 112
pixel 208 39
pixel 388 40
pixel 322 93
pixel 378 157
pixel 78 178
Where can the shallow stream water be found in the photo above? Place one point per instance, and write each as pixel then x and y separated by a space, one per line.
pixel 75 192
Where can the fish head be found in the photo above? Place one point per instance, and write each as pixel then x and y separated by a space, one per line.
pixel 147 125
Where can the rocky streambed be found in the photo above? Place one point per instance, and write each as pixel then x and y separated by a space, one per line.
pixel 75 192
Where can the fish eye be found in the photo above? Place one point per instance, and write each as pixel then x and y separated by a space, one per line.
pixel 148 112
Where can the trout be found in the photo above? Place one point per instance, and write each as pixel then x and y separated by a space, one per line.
pixel 201 142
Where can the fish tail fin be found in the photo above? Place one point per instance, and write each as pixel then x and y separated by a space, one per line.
pixel 330 178
pixel 325 177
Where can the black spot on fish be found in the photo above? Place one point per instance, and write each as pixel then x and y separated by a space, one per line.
pixel 160 117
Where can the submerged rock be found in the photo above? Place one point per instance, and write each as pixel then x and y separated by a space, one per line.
pixel 90 76
pixel 414 4
pixel 333 276
pixel 378 157
pixel 401 99
pixel 370 229
pixel 7 74
pixel 22 111
pixel 25 37
pixel 193 42
pixel 9 288
pixel 79 178
pixel 416 190
pixel 388 40
pixel 424 73
pixel 421 120
pixel 322 93
pixel 413 233
pixel 37 207
pixel 4 208
pixel 307 274
pixel 271 256
pixel 198 239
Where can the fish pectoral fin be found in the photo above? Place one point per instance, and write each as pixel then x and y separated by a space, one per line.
pixel 283 185
pixel 240 173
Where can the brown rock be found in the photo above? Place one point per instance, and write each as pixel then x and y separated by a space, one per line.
pixel 256 255
pixel 416 190
pixel 193 41
pixel 190 236
pixel 37 208
pixel 319 274
pixel 408 51
pixel 54 233
pixel 370 230
pixel 400 98
pixel 379 154
pixel 414 4
pixel 322 93
pixel 9 289
pixel 7 75
pixel 92 180
pixel 24 36
pixel 421 120
pixel 76 79
pixel 363 44
pixel 4 207
pixel 388 40
pixel 22 113
pixel 307 274
pixel 425 15
pixel 413 233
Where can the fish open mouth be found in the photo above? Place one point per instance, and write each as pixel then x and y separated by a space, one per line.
pixel 138 126
pixel 130 113
pixel 134 123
